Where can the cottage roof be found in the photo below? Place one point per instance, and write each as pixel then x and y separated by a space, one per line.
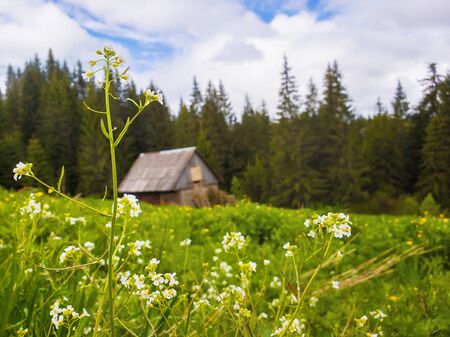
pixel 157 171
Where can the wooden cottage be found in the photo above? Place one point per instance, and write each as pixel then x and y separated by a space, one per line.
pixel 179 176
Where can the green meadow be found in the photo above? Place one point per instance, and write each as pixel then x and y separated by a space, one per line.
pixel 395 264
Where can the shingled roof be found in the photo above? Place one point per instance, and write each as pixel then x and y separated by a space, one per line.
pixel 156 171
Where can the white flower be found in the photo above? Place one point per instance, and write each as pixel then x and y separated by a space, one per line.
pixel 307 223
pixel 339 254
pixel 139 281
pixel 263 315
pixel 186 242
pixel 360 322
pixel 89 245
pixel 22 169
pixel 312 234
pixel 275 283
pixel 266 262
pixel 378 314
pixel 128 205
pixel 286 325
pixel 335 284
pixel 69 251
pixel 289 249
pixel 169 293
pixel 225 267
pixel 151 96
pixel 312 301
pixel 73 221
pixel 233 240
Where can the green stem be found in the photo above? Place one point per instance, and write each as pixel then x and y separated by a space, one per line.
pixel 305 291
pixel 115 196
pixel 69 198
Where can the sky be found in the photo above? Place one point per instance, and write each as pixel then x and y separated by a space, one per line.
pixel 240 42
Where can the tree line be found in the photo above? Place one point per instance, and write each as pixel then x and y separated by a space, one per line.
pixel 317 151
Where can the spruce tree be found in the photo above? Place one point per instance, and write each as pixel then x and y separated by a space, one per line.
pixel 288 105
pixel 400 105
pixel 185 127
pixel 196 98
pixel 36 154
pixel 435 170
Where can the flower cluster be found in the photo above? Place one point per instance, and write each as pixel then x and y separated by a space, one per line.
pixel 296 326
pixel 65 315
pixel 22 169
pixel 134 248
pixel 338 224
pixel 128 205
pixel 152 287
pixel 289 249
pixel 376 329
pixel 233 240
pixel 34 208
pixel 69 252
pixel 186 242
pixel 73 221
pixel 152 96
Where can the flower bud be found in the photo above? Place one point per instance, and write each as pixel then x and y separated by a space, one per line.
pixel 99 52
pixel 92 63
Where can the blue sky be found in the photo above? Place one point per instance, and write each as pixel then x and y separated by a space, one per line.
pixel 240 42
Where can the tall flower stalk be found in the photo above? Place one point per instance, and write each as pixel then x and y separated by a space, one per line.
pixel 111 65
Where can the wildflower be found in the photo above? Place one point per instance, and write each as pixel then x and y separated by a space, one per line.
pixel 289 249
pixel 68 314
pixel 337 224
pixel 378 314
pixel 312 301
pixel 295 326
pixel 186 242
pixel 360 322
pixel 74 221
pixel 152 265
pixel 275 283
pixel 128 204
pixel 312 234
pixel 248 267
pixel 263 315
pixel 135 247
pixel 108 224
pixel 92 63
pixel 88 75
pixel 34 208
pixel 335 284
pixel 124 278
pixel 225 267
pixel 307 223
pixel 169 293
pixel 233 240
pixel 139 281
pixel 22 169
pixel 68 252
pixel 266 262
pixel 151 96
pixel 89 245
pixel 339 254
pixel 21 332
pixel 109 51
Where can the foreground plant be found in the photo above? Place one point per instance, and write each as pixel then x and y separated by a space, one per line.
pixel 112 68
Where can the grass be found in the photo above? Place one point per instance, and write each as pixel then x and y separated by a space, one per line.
pixel 398 264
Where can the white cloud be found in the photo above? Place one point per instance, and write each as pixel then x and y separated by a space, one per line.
pixel 375 42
